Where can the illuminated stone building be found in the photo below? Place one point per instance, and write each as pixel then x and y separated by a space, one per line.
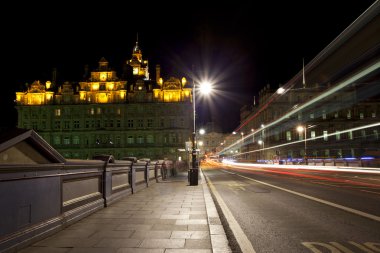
pixel 104 114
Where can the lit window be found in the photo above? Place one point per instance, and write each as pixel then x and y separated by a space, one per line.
pixel 361 115
pixel 288 136
pixel 337 134
pixel 66 140
pixel 76 140
pixel 130 140
pixel 325 135
pixel 149 139
pixel 312 134
pixel 374 115
pixel 57 112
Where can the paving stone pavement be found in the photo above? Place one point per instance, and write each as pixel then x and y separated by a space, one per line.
pixel 167 217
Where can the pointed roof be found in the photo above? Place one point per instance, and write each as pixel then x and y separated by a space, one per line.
pixel 28 144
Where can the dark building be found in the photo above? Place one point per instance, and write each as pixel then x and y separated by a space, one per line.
pixel 330 109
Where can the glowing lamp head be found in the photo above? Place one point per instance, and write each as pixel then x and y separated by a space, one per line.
pixel 300 128
pixel 205 87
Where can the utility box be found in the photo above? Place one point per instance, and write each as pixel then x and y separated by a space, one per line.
pixel 193 176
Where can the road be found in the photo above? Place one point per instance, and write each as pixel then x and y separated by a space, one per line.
pixel 298 210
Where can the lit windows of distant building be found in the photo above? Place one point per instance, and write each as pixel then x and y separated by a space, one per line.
pixel 337 135
pixel 66 140
pixel 350 135
pixel 349 114
pixel 130 140
pixel 140 139
pixel 288 136
pixel 149 139
pixel 325 135
pixel 76 140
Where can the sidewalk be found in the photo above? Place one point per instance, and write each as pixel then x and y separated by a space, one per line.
pixel 168 216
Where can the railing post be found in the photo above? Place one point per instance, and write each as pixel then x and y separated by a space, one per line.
pixel 146 174
pixel 132 178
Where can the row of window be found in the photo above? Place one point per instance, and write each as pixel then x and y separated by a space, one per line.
pixel 339 135
pixel 139 139
pixel 88 124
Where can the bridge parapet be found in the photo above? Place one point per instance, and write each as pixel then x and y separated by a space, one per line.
pixel 41 199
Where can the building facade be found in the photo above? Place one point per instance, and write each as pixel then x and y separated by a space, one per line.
pixel 105 114
pixel 329 110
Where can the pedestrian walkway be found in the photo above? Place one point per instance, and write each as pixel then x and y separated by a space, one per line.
pixel 168 216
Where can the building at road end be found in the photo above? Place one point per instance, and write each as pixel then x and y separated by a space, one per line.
pixel 104 114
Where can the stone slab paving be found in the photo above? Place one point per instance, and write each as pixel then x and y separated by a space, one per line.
pixel 167 217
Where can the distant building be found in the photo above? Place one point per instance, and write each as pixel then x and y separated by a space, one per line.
pixel 334 128
pixel 104 114
pixel 330 109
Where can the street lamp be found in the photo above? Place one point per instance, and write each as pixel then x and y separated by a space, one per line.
pixel 204 88
pixel 261 142
pixel 301 129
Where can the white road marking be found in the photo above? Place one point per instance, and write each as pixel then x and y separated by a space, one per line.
pixel 242 240
pixel 348 209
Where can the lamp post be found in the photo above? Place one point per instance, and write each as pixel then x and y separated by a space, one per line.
pixel 301 129
pixel 261 142
pixel 205 87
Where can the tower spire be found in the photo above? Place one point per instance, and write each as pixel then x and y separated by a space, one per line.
pixel 303 73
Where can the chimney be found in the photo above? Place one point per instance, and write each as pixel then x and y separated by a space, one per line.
pixel 54 77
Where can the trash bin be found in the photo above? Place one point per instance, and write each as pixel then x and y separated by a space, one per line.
pixel 193 176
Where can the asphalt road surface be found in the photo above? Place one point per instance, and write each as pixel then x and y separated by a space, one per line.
pixel 297 210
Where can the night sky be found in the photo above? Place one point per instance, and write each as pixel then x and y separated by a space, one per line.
pixel 241 48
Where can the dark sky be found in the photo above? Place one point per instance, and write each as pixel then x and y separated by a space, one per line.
pixel 241 47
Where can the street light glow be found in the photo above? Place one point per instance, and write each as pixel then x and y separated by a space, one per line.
pixel 280 90
pixel 205 87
